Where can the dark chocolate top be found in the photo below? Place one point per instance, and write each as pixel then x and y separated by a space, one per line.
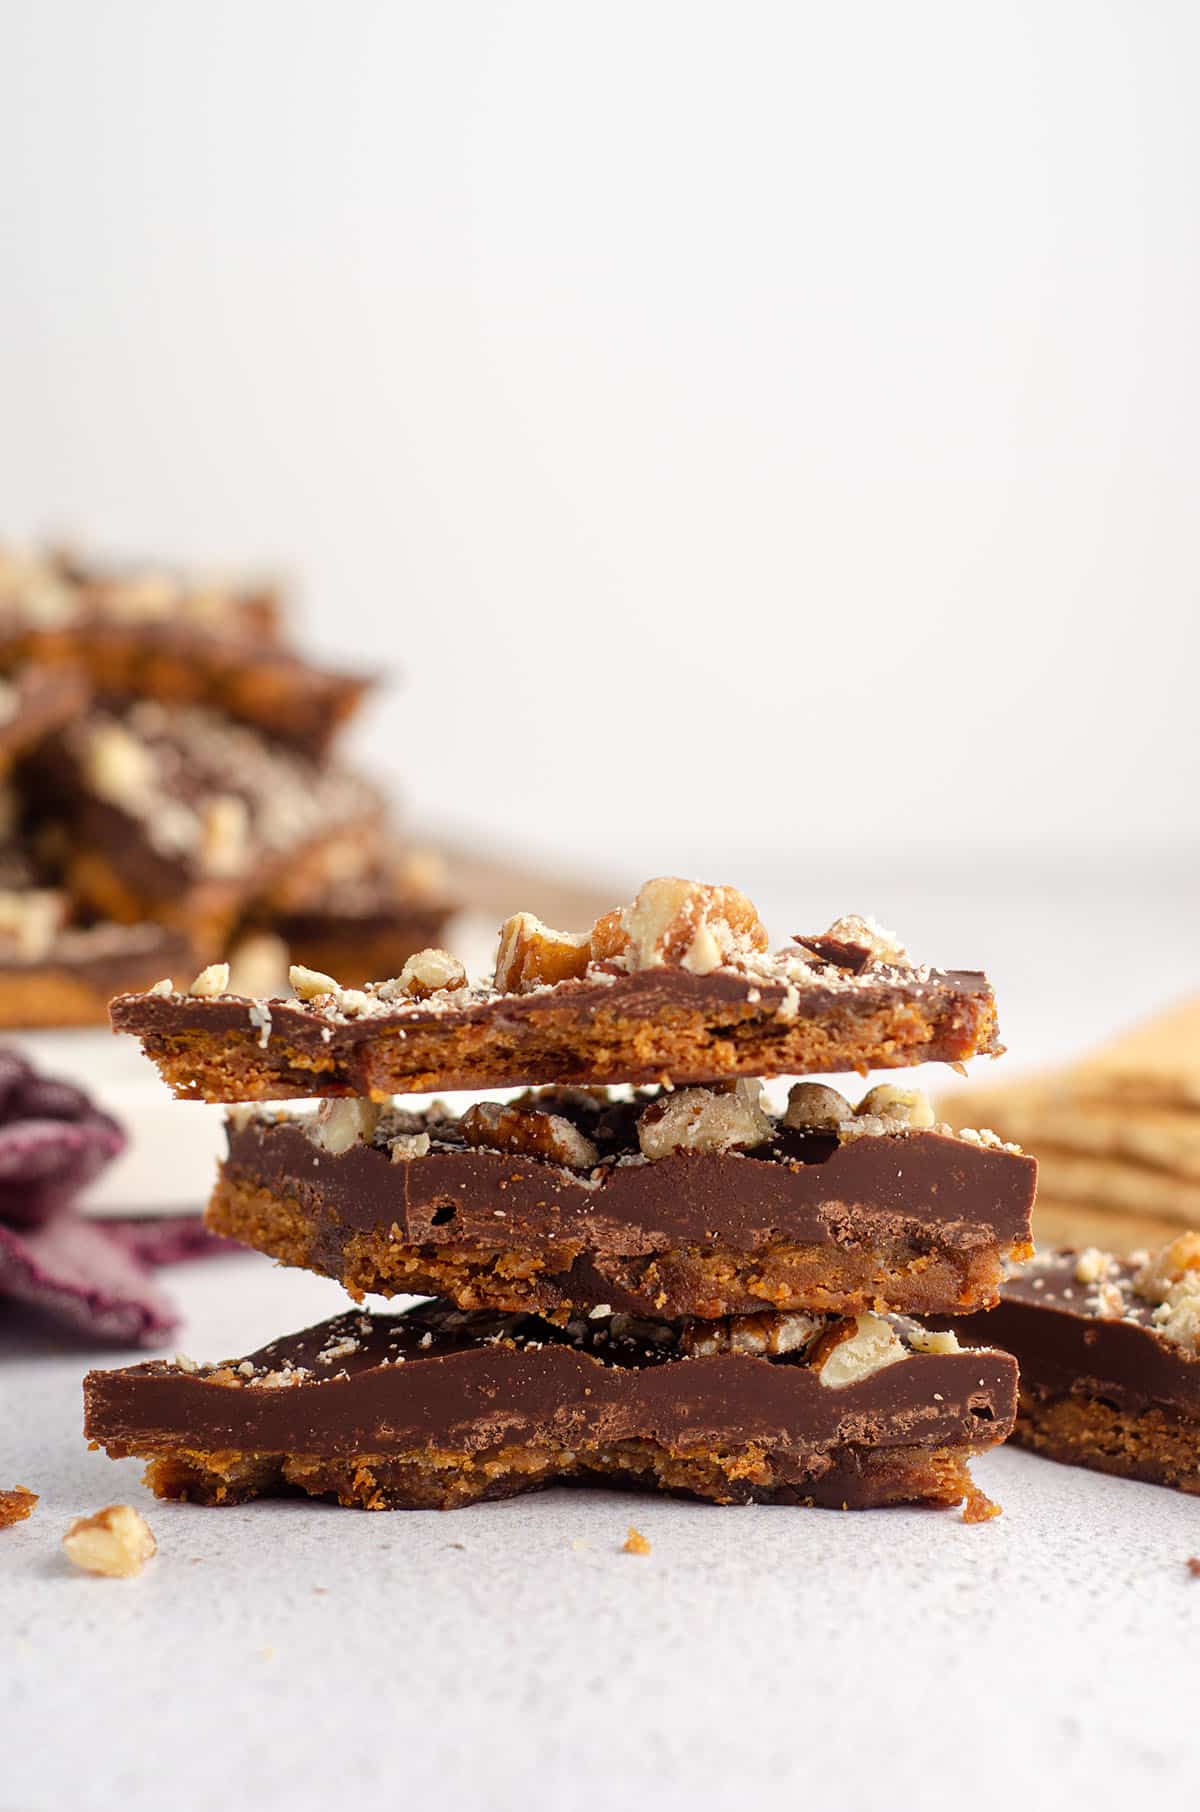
pixel 193 798
pixel 360 1051
pixel 1098 1337
pixel 800 1186
pixel 435 1377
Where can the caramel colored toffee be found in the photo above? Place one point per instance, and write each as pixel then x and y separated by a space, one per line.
pixel 436 1409
pixel 470 1210
pixel 1109 1355
pixel 787 1015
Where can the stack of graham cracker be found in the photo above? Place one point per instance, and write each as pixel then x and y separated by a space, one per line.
pixel 1116 1135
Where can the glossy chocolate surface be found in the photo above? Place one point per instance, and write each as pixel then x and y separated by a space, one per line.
pixel 356 1055
pixel 803 1187
pixel 431 1377
pixel 1048 1319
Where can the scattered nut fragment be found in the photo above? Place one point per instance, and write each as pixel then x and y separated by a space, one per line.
pixel 16 1505
pixel 907 1106
pixel 225 834
pixel 768 1332
pixel 117 766
pixel 680 924
pixel 531 954
pixel 1169 1266
pixel 512 1127
pixel 812 1107
pixel 1092 1264
pixel 406 1146
pixel 704 1119
pixel 30 920
pixel 932 1340
pixel 163 988
pixel 881 945
pixel 211 981
pixel 343 1123
pixel 428 972
pixel 855 1349
pixel 635 1542
pixel 116 1541
pixel 311 984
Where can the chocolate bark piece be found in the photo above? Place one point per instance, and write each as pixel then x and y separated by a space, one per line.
pixel 1109 1356
pixel 183 816
pixel 52 602
pixel 151 634
pixel 69 976
pixel 435 1409
pixel 910 1220
pixel 774 1016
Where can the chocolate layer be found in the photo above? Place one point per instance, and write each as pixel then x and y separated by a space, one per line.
pixel 917 1222
pixel 433 1389
pixel 783 1017
pixel 1074 1338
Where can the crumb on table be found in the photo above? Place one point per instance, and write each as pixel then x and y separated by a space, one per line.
pixel 635 1542
pixel 117 1541
pixel 978 1507
pixel 16 1505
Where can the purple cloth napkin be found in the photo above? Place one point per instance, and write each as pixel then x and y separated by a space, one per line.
pixel 94 1275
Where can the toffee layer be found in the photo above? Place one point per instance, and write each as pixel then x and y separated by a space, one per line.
pixel 432 1408
pixel 785 1016
pixel 917 1222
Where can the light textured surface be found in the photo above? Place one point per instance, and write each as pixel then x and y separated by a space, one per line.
pixel 300 1656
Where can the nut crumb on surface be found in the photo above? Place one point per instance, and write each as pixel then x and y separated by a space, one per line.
pixel 518 1127
pixel 704 1120
pixel 635 1542
pixel 532 955
pixel 16 1505
pixel 116 1541
pixel 432 971
pixel 856 1348
pixel 311 984
pixel 1193 1565
pixel 210 982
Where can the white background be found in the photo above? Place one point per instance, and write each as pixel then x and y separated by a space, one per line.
pixel 746 427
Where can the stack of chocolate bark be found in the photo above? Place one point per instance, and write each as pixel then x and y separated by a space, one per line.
pixel 168 795
pixel 642 1273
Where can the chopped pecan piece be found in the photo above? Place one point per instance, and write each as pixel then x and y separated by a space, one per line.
pixel 680 924
pixel 528 1130
pixel 532 955
pixel 704 1119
